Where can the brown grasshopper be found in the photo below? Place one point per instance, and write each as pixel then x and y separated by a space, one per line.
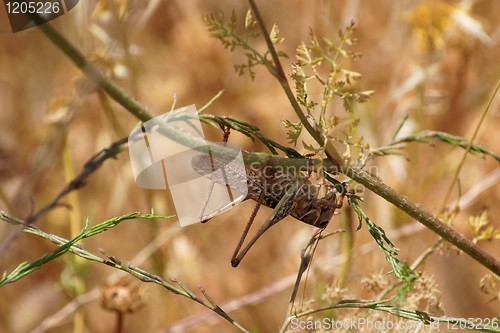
pixel 287 193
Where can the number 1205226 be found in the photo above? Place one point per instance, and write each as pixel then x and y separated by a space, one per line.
pixel 33 7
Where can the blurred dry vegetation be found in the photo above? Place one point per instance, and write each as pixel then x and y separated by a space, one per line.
pixel 421 58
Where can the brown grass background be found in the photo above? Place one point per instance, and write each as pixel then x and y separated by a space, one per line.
pixel 172 53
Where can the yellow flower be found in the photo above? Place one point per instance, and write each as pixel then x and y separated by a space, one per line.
pixel 435 22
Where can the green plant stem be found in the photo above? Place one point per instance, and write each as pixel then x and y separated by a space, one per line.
pixel 360 176
pixel 140 111
pixel 471 141
pixel 115 92
pixel 279 73
pixel 424 217
pixel 370 182
pixel 347 246
pixel 65 245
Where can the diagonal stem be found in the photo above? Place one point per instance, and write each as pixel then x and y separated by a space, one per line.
pixel 360 176
pixel 369 181
pixel 279 73
pixel 426 218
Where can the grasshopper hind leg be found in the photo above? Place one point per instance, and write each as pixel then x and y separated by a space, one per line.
pixel 237 256
pixel 283 208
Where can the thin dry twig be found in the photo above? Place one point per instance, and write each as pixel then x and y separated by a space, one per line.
pixel 91 166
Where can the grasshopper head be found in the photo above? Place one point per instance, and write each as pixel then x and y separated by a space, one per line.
pixel 319 214
pixel 321 210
